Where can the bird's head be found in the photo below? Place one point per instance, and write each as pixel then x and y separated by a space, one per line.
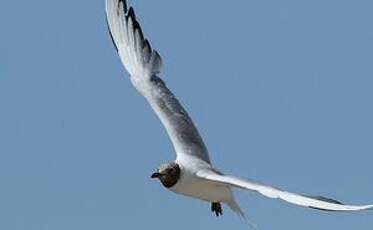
pixel 168 174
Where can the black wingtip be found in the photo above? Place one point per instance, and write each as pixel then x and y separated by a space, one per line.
pixel 111 36
pixel 326 199
pixel 124 5
pixel 147 44
pixel 131 14
pixel 136 26
pixel 322 209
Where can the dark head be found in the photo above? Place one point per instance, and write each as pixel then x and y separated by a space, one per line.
pixel 168 174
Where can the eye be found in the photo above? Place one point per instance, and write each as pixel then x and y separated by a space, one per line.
pixel 171 170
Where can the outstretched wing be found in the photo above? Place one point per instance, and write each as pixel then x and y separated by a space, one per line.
pixel 316 202
pixel 143 63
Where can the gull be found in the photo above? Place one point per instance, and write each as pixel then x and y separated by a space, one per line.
pixel 192 173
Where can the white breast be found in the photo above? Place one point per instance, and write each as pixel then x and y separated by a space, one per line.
pixel 190 185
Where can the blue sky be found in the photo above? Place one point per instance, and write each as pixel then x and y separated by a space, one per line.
pixel 281 92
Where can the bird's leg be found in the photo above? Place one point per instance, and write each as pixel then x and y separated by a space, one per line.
pixel 216 207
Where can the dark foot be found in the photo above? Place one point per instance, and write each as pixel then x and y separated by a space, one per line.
pixel 216 207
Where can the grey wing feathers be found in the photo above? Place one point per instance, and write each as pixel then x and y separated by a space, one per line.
pixel 183 134
pixel 143 63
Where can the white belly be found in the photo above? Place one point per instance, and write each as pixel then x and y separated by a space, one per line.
pixel 189 185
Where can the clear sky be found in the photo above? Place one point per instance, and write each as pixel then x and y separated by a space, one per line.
pixel 281 92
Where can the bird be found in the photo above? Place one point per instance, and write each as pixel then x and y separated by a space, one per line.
pixel 192 173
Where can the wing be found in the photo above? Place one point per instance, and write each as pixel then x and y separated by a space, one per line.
pixel 316 202
pixel 143 63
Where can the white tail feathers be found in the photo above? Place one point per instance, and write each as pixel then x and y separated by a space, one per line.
pixel 235 207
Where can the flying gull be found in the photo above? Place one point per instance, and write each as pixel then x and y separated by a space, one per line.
pixel 192 173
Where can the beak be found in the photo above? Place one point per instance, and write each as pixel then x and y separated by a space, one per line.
pixel 156 175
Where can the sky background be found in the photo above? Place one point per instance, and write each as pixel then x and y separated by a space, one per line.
pixel 281 92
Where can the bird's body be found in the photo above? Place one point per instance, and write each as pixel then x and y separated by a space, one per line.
pixel 166 105
pixel 192 173
pixel 190 185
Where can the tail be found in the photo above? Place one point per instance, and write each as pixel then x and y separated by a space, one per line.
pixel 236 208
